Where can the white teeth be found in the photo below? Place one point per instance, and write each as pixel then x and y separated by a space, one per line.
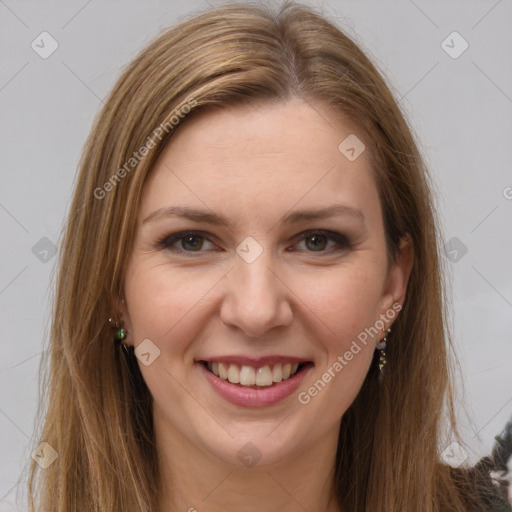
pixel 247 376
pixel 250 376
pixel 264 376
pixel 223 374
pixel 233 374
pixel 277 373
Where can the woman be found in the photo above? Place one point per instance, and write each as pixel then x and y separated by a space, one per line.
pixel 250 313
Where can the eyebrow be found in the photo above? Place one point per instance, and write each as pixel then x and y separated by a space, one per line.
pixel 291 218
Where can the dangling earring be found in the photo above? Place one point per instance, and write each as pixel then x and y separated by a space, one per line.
pixel 381 346
pixel 119 334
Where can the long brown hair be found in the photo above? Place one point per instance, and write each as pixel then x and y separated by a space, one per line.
pixel 98 412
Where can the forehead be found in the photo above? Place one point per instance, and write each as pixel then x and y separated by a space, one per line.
pixel 267 157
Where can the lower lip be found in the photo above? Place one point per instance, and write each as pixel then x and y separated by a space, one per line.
pixel 249 397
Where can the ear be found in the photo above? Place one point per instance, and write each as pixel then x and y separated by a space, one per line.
pixel 395 288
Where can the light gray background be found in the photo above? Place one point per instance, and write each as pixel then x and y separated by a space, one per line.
pixel 460 110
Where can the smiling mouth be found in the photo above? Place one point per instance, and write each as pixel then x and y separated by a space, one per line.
pixel 255 378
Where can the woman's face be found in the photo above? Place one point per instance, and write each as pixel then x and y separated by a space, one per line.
pixel 252 296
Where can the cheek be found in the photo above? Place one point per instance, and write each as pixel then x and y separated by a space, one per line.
pixel 160 302
pixel 347 304
pixel 346 300
pixel 348 307
pixel 174 308
pixel 165 307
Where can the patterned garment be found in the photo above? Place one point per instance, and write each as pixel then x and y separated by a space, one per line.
pixel 496 473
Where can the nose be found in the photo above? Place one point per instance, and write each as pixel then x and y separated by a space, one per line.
pixel 257 298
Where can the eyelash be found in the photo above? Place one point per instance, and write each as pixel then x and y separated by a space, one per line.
pixel 341 241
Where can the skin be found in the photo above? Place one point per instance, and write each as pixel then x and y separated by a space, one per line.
pixel 253 165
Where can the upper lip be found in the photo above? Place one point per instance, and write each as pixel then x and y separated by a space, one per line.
pixel 254 361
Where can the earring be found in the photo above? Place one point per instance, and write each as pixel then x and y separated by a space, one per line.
pixel 381 347
pixel 119 334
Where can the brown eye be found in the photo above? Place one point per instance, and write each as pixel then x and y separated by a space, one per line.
pixel 317 241
pixel 190 242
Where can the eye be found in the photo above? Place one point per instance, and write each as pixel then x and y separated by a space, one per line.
pixel 191 241
pixel 315 241
pixel 319 240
